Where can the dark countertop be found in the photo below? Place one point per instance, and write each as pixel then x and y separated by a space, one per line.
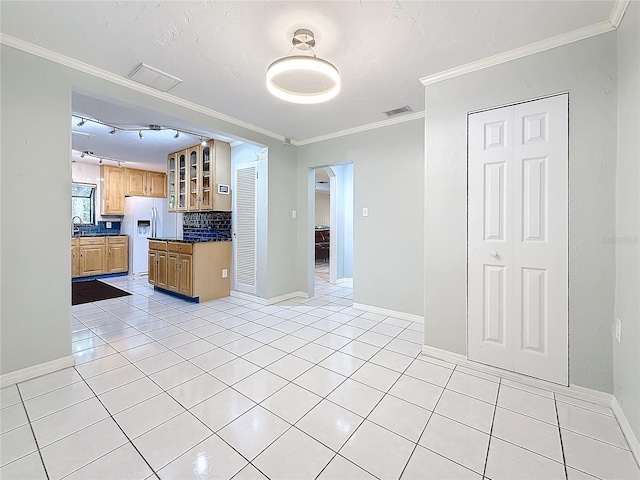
pixel 193 240
pixel 80 235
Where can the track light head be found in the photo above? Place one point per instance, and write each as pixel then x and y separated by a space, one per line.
pixel 203 142
pixel 81 122
pixel 100 162
pixel 140 134
pixel 82 155
pixel 176 135
pixel 119 164
pixel 113 131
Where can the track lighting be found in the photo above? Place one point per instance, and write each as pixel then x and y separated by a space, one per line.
pixel 113 129
pixel 100 162
pixel 82 155
pixel 119 164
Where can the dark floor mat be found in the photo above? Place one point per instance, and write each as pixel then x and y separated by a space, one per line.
pixel 93 291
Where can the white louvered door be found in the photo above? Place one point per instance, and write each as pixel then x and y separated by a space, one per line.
pixel 517 238
pixel 244 228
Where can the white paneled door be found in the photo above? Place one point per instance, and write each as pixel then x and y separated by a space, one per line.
pixel 518 238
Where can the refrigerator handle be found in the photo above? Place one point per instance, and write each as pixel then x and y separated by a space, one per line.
pixel 153 222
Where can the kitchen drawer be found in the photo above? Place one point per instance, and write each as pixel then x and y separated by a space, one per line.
pixel 117 240
pixel 153 245
pixel 92 240
pixel 180 247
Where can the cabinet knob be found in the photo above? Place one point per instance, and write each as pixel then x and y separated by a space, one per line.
pixel 494 253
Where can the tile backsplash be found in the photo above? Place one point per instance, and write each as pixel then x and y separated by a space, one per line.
pixel 100 229
pixel 206 225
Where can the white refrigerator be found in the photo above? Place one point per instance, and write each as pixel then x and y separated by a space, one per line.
pixel 143 218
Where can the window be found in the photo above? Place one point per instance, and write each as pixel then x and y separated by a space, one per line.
pixel 83 203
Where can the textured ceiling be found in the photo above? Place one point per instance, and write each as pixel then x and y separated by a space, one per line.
pixel 221 49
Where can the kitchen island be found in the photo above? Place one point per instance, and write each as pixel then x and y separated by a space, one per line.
pixel 196 270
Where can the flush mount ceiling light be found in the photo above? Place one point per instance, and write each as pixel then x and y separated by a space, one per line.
pixel 303 79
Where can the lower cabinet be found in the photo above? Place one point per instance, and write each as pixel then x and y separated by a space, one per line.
pixel 75 257
pixel 117 254
pixel 93 256
pixel 99 255
pixel 196 270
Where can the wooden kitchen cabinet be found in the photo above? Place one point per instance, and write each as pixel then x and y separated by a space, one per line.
pixel 179 268
pixel 199 178
pixel 117 254
pixel 92 256
pixel 144 183
pixel 158 263
pixel 112 182
pixel 75 257
pixel 199 271
pixel 99 255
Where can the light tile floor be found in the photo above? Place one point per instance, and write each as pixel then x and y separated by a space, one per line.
pixel 308 388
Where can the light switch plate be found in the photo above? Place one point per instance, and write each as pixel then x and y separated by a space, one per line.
pixel 225 273
pixel 365 212
pixel 109 224
pixel 618 329
pixel 294 214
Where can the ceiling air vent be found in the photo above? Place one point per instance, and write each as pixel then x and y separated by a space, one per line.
pixel 398 111
pixel 154 78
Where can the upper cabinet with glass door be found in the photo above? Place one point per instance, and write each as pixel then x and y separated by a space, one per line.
pixel 203 177
pixel 193 154
pixel 182 204
pixel 172 163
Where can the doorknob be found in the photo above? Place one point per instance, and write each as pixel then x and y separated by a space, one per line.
pixel 494 253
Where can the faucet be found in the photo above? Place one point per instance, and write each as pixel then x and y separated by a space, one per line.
pixel 76 229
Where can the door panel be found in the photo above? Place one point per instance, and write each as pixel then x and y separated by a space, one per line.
pixel 173 275
pixel 541 195
pixel 490 253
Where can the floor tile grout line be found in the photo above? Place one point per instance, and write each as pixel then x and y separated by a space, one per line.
pixel 374 407
pixel 564 458
pixel 33 433
pixel 495 408
pixel 123 432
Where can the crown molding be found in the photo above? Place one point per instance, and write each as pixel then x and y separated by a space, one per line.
pixel 618 12
pixel 361 128
pixel 125 82
pixel 533 48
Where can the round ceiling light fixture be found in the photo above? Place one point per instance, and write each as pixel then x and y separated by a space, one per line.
pixel 303 79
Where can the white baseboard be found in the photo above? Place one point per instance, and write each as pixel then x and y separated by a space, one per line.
pixel 248 296
pixel 36 370
pixel 389 313
pixel 287 296
pixel 632 440
pixel 575 391
pixel 268 301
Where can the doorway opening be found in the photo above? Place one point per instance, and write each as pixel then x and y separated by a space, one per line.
pixel 331 208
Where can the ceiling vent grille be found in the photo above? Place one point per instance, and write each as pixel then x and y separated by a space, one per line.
pixel 154 78
pixel 398 111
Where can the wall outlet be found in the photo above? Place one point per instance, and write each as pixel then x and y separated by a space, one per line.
pixel 225 273
pixel 365 212
pixel 618 329
pixel 294 214
pixel 108 224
